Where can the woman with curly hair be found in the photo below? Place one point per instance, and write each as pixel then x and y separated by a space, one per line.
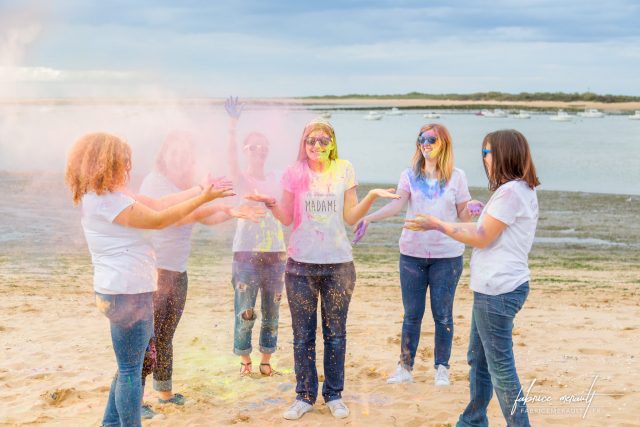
pixel 124 278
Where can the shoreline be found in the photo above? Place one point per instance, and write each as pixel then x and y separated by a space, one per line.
pixel 340 104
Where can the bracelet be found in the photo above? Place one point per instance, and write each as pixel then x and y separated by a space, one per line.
pixel 271 205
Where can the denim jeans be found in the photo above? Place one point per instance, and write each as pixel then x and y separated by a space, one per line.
pixel 491 359
pixel 131 319
pixel 168 305
pixel 440 276
pixel 334 283
pixel 253 271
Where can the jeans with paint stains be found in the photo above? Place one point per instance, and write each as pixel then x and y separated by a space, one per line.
pixel 253 271
pixel 491 360
pixel 334 284
pixel 131 319
pixel 440 276
pixel 168 304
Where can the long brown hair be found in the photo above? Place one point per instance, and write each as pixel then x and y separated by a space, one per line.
pixel 444 163
pixel 97 162
pixel 511 159
pixel 313 126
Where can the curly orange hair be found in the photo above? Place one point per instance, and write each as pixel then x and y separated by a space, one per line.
pixel 97 162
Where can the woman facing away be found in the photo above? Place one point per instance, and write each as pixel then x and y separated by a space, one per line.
pixel 428 260
pixel 124 279
pixel 259 251
pixel 500 275
pixel 173 173
pixel 319 197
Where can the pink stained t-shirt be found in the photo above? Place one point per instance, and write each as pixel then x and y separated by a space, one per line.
pixel 319 235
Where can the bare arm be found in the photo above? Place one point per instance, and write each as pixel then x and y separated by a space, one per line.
pixel 168 200
pixel 463 213
pixel 353 210
pixel 476 235
pixel 139 215
pixel 233 110
pixel 390 209
pixel 282 211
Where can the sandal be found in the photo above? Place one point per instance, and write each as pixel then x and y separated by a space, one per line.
pixel 245 368
pixel 271 371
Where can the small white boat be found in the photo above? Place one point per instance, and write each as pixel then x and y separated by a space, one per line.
pixel 562 116
pixel 591 113
pixel 496 113
pixel 394 112
pixel 373 115
pixel 325 115
pixel 521 115
pixel 636 116
pixel 431 115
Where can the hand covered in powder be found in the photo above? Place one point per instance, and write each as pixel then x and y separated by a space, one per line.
pixel 475 207
pixel 360 230
pixel 233 107
pixel 389 193
pixel 268 201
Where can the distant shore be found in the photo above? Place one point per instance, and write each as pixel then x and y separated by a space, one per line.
pixel 330 103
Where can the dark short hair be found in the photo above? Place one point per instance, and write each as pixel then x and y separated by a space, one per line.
pixel 511 159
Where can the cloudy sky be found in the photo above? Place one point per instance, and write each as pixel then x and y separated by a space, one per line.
pixel 193 48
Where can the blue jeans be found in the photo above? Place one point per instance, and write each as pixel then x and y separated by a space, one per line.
pixel 253 271
pixel 131 319
pixel 334 283
pixel 491 359
pixel 440 276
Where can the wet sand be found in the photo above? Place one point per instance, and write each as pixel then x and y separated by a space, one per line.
pixel 579 325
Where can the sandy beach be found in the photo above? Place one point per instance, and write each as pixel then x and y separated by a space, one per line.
pixel 575 339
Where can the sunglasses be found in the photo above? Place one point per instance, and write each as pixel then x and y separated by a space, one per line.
pixel 324 142
pixel 426 138
pixel 256 147
pixel 485 152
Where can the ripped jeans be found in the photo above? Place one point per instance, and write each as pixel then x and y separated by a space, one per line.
pixel 253 271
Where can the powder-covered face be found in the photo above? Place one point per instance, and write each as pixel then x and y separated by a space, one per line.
pixel 429 144
pixel 256 148
pixel 487 157
pixel 318 145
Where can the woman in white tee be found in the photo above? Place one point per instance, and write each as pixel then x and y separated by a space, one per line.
pixel 174 172
pixel 124 278
pixel 428 260
pixel 319 197
pixel 502 239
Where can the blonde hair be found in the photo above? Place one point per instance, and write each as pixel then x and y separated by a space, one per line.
pixel 444 163
pixel 311 127
pixel 97 162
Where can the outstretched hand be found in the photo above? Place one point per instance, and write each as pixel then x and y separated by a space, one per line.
pixel 261 198
pixel 233 107
pixel 360 230
pixel 217 182
pixel 389 193
pixel 248 212
pixel 212 192
pixel 422 223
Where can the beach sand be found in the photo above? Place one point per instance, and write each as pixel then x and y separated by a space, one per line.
pixel 577 331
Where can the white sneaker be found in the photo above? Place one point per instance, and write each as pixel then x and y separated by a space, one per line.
pixel 338 408
pixel 442 376
pixel 400 376
pixel 297 410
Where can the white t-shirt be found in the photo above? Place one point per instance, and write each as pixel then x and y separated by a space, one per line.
pixel 266 235
pixel 318 235
pixel 503 266
pixel 428 196
pixel 123 258
pixel 172 244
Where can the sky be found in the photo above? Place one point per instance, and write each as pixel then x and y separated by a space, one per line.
pixel 251 48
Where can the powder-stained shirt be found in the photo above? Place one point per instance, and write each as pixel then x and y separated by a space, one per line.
pixel 503 265
pixel 432 197
pixel 265 235
pixel 172 244
pixel 123 258
pixel 319 235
